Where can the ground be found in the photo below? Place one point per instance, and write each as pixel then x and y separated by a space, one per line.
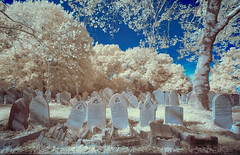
pixel 196 120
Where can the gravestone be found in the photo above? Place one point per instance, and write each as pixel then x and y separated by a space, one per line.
pixel 2 93
pixel 159 96
pixel 173 98
pixel 78 97
pixel 126 94
pixel 147 112
pixel 77 116
pixel 142 97
pixel 85 96
pixel 11 95
pixel 58 98
pixel 188 96
pixel 133 100
pixel 48 95
pixel 74 101
pixel 211 95
pixel 18 115
pixel 28 94
pixel 184 98
pixel 119 113
pixel 38 93
pixel 166 98
pixel 222 111
pixel 94 94
pixel 96 113
pixel 234 99
pixel 173 115
pixel 107 93
pixel 65 98
pixel 39 112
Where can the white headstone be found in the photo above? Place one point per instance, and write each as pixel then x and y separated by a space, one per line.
pixel 107 93
pixel 222 111
pixel 173 115
pixel 159 96
pixel 39 93
pixel 65 98
pixel 173 98
pixel 119 113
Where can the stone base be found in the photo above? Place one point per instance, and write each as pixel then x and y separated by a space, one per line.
pixel 202 142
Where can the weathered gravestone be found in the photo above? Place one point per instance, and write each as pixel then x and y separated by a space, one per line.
pixel 142 97
pixel 48 95
pixel 58 98
pixel 78 97
pixel 211 95
pixel 173 98
pixel 39 112
pixel 38 93
pixel 74 101
pixel 126 94
pixel 234 99
pixel 94 94
pixel 222 111
pixel 184 98
pixel 11 95
pixel 147 112
pixel 77 116
pixel 2 93
pixel 159 96
pixel 85 96
pixel 119 113
pixel 107 93
pixel 173 115
pixel 96 113
pixel 19 115
pixel 28 94
pixel 133 101
pixel 65 98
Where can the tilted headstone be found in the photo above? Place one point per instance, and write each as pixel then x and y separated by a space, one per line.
pixel 222 111
pixel 85 96
pixel 173 98
pixel 147 112
pixel 11 95
pixel 65 98
pixel 119 113
pixel 28 94
pixel 77 116
pixel 38 93
pixel 173 115
pixel 2 93
pixel 159 96
pixel 96 113
pixel 133 100
pixel 58 98
pixel 39 112
pixel 107 93
pixel 18 115
pixel 48 95
pixel 211 95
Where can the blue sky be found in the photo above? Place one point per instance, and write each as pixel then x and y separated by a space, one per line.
pixel 127 38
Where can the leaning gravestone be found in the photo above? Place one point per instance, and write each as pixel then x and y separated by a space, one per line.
pixel 11 95
pixel 18 116
pixel 159 96
pixel 107 93
pixel 96 113
pixel 173 115
pixel 133 100
pixel 65 98
pixel 28 94
pixel 48 95
pixel 222 111
pixel 77 116
pixel 39 112
pixel 147 112
pixel 2 93
pixel 173 98
pixel 119 113
pixel 211 95
pixel 38 93
pixel 85 96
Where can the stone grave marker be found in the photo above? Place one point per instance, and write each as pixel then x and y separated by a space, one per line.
pixel 222 111
pixel 126 94
pixel 184 98
pixel 58 98
pixel 142 97
pixel 173 98
pixel 159 96
pixel 74 101
pixel 107 93
pixel 119 113
pixel 18 115
pixel 2 94
pixel 211 95
pixel 85 96
pixel 77 116
pixel 133 100
pixel 39 112
pixel 234 99
pixel 11 95
pixel 38 93
pixel 28 94
pixel 65 98
pixel 48 95
pixel 94 94
pixel 188 96
pixel 173 115
pixel 96 113
pixel 147 112
pixel 78 97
